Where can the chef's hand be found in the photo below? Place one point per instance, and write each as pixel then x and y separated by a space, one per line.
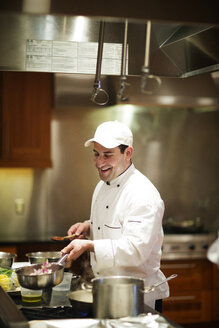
pixel 77 247
pixel 80 229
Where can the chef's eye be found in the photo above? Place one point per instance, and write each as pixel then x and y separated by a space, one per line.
pixel 107 155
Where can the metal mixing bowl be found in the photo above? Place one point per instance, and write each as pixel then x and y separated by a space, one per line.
pixel 40 257
pixel 41 281
pixel 6 259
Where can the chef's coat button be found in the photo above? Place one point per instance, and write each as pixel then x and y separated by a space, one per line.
pixel 107 206
pixel 98 228
pixel 118 185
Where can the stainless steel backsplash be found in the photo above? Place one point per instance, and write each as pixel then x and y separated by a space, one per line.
pixel 176 148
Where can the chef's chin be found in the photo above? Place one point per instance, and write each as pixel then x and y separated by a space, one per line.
pixel 104 176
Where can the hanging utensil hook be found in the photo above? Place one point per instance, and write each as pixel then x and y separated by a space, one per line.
pixel 123 77
pixel 98 92
pixel 145 69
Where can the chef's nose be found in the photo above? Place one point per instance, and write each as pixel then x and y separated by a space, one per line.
pixel 100 161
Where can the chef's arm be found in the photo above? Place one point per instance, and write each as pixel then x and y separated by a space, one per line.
pixel 77 247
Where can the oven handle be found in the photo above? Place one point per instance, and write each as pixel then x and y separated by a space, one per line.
pixel 181 298
pixel 178 266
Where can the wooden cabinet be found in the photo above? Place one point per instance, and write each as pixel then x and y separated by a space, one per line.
pixel 22 248
pixel 215 292
pixel 25 118
pixel 191 292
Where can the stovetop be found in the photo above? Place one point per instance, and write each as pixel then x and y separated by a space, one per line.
pixel 59 312
pixel 58 308
pixel 186 246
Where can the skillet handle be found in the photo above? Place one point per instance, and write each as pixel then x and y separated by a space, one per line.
pixel 62 260
pixel 87 286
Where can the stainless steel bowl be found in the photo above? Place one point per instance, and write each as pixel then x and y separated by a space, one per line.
pixel 40 257
pixel 6 259
pixel 41 281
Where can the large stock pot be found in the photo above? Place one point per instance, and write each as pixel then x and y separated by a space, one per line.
pixel 117 296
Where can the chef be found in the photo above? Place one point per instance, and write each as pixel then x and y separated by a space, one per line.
pixel 124 232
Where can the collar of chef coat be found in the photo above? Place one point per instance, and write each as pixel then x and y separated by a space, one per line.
pixel 122 177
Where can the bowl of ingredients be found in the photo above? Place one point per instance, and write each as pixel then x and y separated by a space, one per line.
pixel 41 257
pixel 40 276
pixel 8 279
pixel 6 259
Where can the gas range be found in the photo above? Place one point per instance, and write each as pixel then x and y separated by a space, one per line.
pixel 59 307
pixel 56 312
pixel 186 246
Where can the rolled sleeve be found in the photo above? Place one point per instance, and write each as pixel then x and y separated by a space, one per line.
pixel 104 255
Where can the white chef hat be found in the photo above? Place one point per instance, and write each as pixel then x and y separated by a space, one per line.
pixel 112 134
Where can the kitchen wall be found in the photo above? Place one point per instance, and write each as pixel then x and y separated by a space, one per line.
pixel 23 204
pixel 177 148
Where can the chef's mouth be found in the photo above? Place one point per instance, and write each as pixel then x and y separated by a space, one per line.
pixel 104 170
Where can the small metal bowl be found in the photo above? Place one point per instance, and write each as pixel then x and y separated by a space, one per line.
pixel 41 257
pixel 6 259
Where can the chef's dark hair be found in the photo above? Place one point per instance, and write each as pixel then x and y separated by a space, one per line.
pixel 122 148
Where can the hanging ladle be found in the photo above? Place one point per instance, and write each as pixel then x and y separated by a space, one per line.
pixel 123 77
pixel 146 76
pixel 99 96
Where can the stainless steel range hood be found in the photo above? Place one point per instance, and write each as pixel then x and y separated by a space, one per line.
pixel 178 49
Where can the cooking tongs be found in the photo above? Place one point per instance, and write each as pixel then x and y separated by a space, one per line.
pixel 146 76
pixel 123 77
pixel 99 96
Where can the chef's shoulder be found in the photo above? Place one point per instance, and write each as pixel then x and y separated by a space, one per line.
pixel 141 188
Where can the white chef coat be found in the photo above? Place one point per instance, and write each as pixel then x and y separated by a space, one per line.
pixel 126 227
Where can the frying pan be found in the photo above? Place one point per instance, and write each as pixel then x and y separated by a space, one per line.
pixel 27 280
pixel 82 301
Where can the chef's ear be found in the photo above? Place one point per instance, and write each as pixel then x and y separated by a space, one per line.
pixel 129 152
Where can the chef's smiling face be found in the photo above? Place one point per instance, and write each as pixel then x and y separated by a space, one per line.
pixel 110 162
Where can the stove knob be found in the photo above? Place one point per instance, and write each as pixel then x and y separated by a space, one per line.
pixel 205 246
pixel 191 246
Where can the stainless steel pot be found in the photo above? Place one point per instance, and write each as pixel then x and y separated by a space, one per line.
pixel 6 259
pixel 117 296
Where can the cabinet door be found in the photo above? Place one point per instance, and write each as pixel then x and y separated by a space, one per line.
pixel 215 292
pixel 192 274
pixel 188 307
pixel 190 298
pixel 25 119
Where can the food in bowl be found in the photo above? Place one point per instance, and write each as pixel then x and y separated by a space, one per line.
pixel 8 279
pixel 44 269
pixel 5 282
